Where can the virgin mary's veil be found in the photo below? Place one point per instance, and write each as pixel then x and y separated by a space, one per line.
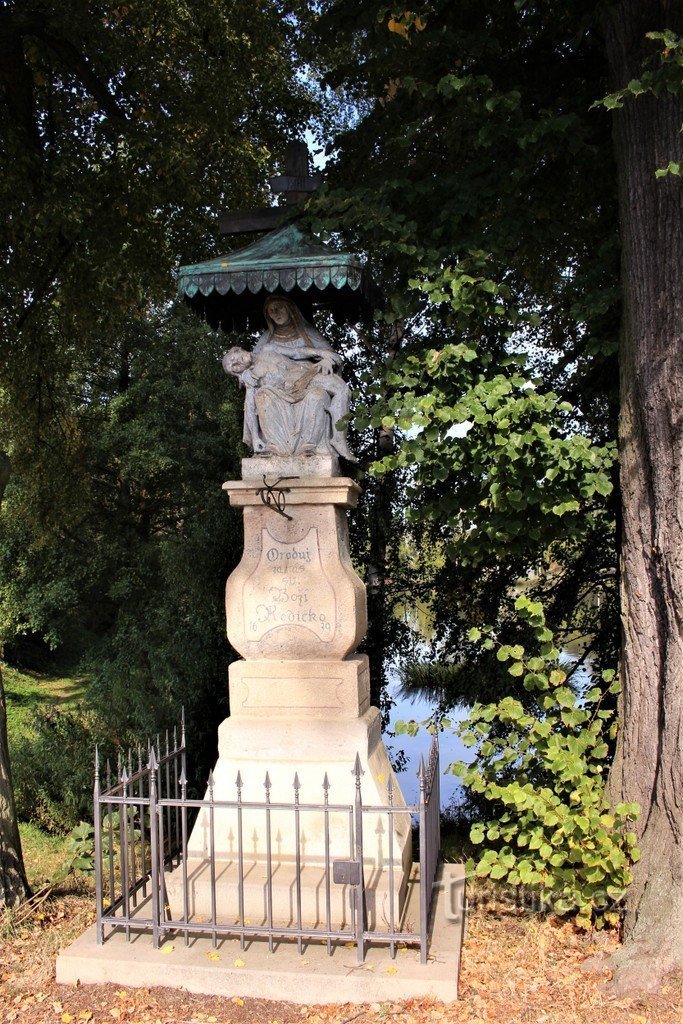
pixel 300 327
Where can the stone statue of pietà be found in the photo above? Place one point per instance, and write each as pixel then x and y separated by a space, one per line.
pixel 295 397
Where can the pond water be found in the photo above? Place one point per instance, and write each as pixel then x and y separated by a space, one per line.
pixel 450 747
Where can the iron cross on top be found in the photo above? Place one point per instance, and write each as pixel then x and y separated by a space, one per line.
pixel 295 184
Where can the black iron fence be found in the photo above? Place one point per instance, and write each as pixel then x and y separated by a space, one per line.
pixel 150 879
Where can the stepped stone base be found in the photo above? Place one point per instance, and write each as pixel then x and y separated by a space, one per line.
pixel 310 979
pixel 314 895
pixel 313 750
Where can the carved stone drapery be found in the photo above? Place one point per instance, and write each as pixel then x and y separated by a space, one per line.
pixel 294 396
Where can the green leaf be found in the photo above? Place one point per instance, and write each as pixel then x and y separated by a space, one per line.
pixel 565 697
pixel 671 168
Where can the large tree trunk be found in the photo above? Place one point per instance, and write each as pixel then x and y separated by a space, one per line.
pixel 648 766
pixel 14 888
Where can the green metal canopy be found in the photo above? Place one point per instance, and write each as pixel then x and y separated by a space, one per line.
pixel 229 291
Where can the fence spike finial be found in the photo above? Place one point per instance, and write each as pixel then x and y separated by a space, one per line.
pixel 326 784
pixel 357 769
pixel 390 790
pixel 97 761
pixel 183 781
pixel 267 785
pixel 211 782
pixel 238 780
pixel 297 782
pixel 153 764
pixel 124 777
pixel 422 775
pixel 182 726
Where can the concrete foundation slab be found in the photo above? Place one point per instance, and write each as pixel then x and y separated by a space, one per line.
pixel 283 974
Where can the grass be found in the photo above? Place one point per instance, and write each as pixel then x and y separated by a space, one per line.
pixel 44 854
pixel 29 692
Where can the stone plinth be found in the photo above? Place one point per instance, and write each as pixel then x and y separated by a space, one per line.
pixel 302 689
pixel 275 466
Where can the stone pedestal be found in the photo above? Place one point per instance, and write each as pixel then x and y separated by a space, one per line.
pixel 295 595
pixel 299 706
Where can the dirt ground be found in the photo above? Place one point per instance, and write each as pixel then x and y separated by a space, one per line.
pixel 517 967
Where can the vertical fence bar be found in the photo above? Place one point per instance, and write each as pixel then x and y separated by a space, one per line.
pixel 131 818
pixel 183 818
pixel 123 833
pixel 212 858
pixel 183 753
pixel 352 888
pixel 328 898
pixel 297 847
pixel 360 899
pixel 110 837
pixel 161 842
pixel 175 790
pixel 98 851
pixel 169 810
pixel 425 881
pixel 143 826
pixel 240 858
pixel 392 921
pixel 154 844
pixel 269 867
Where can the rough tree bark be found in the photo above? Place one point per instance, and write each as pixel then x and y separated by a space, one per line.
pixel 14 888
pixel 648 766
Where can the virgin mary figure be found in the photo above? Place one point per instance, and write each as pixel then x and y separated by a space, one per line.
pixel 294 396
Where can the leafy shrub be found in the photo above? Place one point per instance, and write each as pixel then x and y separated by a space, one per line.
pixel 79 853
pixel 545 770
pixel 53 769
